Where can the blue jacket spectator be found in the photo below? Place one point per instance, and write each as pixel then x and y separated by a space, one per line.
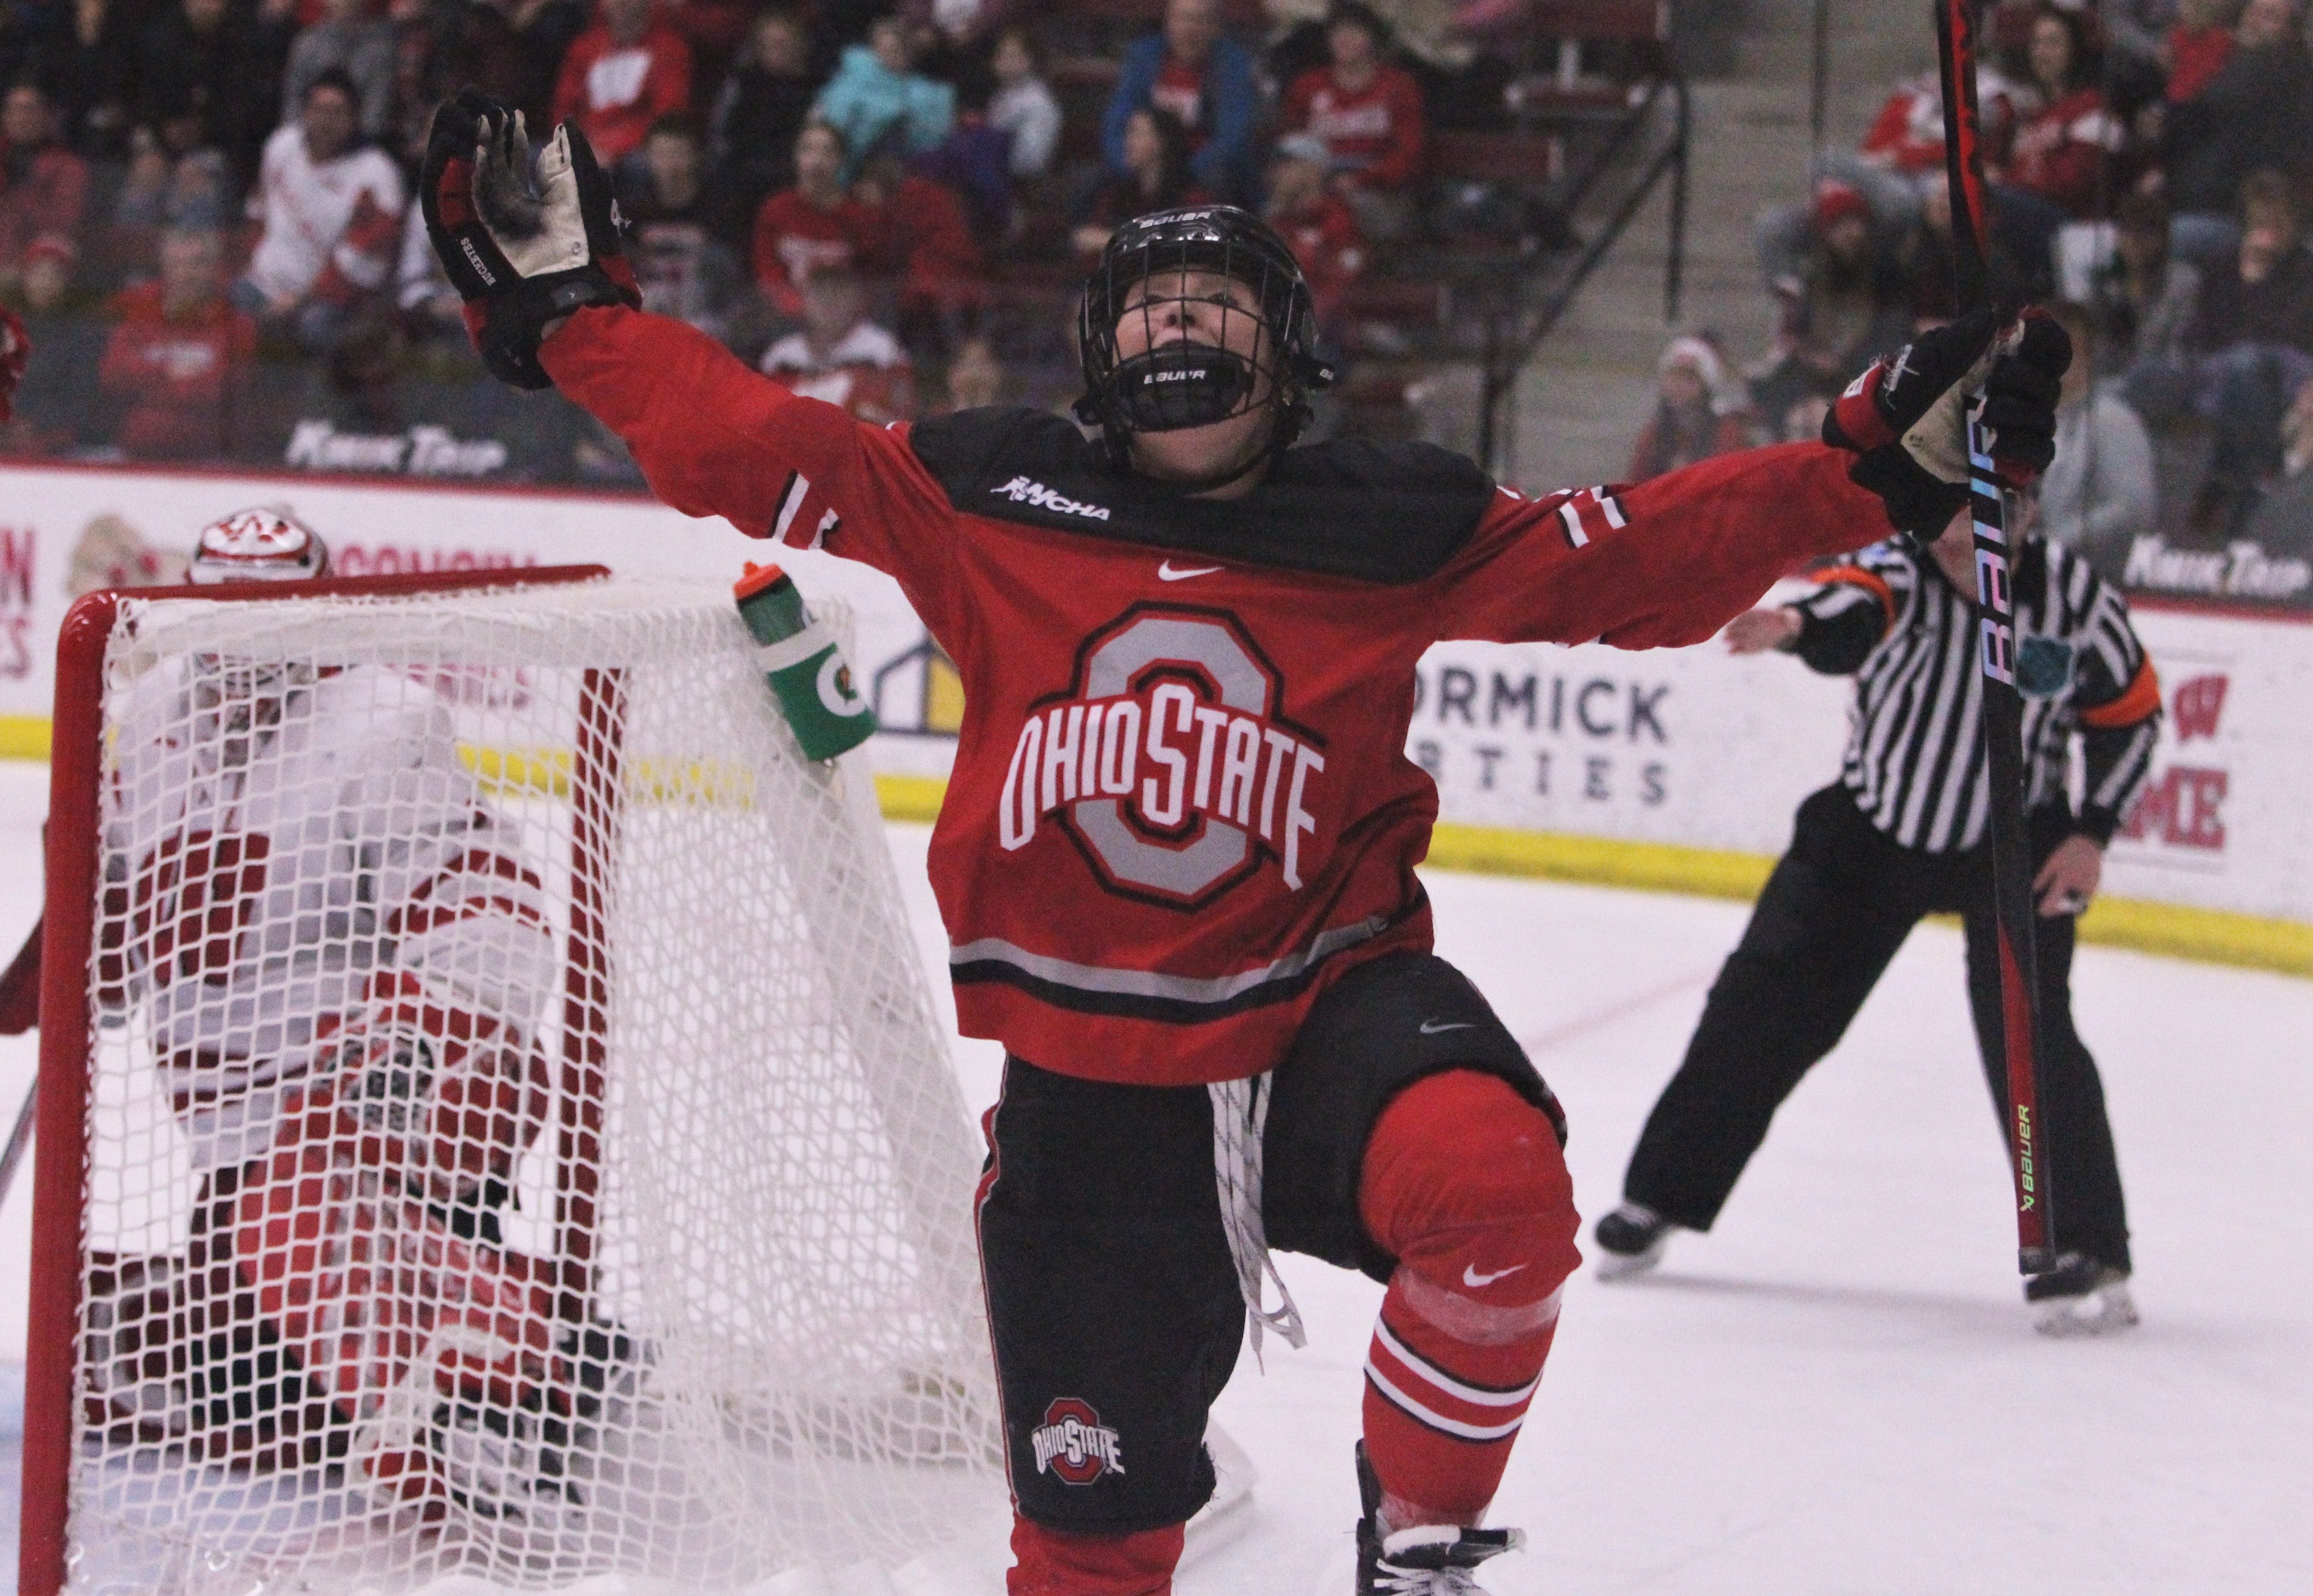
pixel 873 93
pixel 1203 78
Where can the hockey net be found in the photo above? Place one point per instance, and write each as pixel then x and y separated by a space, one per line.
pixel 647 1260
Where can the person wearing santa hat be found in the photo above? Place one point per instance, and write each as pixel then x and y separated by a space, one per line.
pixel 1700 409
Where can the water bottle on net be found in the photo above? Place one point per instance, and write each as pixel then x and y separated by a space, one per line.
pixel 804 664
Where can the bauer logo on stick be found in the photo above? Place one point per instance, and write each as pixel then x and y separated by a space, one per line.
pixel 1074 1445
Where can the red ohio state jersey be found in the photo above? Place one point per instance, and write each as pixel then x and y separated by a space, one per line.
pixel 1180 803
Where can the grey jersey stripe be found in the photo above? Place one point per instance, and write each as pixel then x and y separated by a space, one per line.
pixel 1108 981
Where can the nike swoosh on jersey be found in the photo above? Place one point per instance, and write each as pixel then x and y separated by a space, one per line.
pixel 1432 1027
pixel 1165 573
pixel 1471 1277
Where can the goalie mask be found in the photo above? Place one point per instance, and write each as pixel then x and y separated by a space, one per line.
pixel 262 544
pixel 1152 269
pixel 236 699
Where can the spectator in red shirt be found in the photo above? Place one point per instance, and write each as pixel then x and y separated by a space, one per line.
pixel 1317 222
pixel 842 356
pixel 2196 48
pixel 622 75
pixel 2060 150
pixel 176 362
pixel 1368 115
pixel 1908 134
pixel 923 240
pixel 715 30
pixel 2056 170
pixel 813 226
pixel 45 184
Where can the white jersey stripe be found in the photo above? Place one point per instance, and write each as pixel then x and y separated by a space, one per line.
pixel 1574 532
pixel 799 489
pixel 1476 1395
pixel 1433 1418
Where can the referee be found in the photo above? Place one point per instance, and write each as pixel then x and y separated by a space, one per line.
pixel 1900 835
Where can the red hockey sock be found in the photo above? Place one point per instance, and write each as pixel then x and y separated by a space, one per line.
pixel 1052 1563
pixel 1465 1183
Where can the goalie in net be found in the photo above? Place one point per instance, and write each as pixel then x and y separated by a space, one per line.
pixel 340 958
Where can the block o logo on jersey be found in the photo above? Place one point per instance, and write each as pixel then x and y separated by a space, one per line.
pixel 1169 761
pixel 1074 1445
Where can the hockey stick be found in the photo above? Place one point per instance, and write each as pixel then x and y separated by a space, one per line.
pixel 20 986
pixel 20 1011
pixel 2002 719
pixel 19 1139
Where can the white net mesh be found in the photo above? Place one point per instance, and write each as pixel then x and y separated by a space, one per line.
pixel 521 1148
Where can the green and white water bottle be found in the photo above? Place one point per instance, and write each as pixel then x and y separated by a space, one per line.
pixel 805 666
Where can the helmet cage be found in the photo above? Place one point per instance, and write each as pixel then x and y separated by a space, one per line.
pixel 1185 383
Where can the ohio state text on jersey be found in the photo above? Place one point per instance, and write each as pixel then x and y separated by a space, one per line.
pixel 1181 802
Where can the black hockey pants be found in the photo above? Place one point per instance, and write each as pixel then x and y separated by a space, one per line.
pixel 1834 912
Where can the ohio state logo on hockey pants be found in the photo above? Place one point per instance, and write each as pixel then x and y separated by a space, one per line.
pixel 1169 760
pixel 1074 1445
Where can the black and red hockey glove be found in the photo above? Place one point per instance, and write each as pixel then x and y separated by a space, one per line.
pixel 521 248
pixel 1907 417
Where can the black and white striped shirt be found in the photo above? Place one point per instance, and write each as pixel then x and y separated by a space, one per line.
pixel 1914 753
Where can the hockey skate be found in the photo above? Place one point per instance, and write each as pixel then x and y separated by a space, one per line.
pixel 1631 1240
pixel 2080 1296
pixel 1425 1560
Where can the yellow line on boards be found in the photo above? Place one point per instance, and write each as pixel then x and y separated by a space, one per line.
pixel 910 797
pixel 2211 936
pixel 24 737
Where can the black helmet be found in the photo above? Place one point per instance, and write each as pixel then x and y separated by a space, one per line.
pixel 1183 384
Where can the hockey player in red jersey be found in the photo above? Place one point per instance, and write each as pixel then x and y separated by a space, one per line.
pixel 1177 856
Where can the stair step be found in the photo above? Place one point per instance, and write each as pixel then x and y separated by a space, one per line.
pixel 1590 385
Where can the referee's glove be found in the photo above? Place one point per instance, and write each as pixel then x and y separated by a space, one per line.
pixel 1907 417
pixel 523 248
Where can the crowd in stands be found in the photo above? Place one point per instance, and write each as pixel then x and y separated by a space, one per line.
pixel 207 215
pixel 2149 165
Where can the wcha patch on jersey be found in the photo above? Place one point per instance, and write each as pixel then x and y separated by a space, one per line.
pixel 1074 1445
pixel 1022 490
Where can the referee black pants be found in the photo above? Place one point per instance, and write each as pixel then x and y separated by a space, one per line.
pixel 1834 912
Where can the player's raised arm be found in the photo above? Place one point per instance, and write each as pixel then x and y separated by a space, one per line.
pixel 551 300
pixel 1671 560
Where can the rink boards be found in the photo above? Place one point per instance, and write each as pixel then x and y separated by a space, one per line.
pixel 1674 769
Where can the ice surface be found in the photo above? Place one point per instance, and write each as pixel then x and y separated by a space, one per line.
pixel 1837 1394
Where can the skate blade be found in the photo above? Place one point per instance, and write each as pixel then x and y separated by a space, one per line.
pixel 2100 1312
